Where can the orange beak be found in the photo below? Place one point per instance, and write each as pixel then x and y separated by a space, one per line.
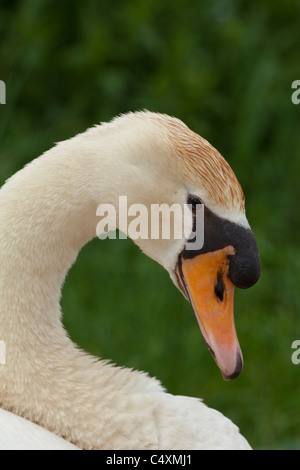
pixel 206 282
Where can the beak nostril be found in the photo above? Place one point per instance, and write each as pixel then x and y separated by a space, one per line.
pixel 219 288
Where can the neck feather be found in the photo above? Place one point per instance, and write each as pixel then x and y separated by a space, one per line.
pixel 47 214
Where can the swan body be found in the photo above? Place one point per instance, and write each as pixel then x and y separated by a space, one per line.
pixel 17 433
pixel 47 214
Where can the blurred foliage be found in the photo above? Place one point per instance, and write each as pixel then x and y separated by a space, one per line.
pixel 226 69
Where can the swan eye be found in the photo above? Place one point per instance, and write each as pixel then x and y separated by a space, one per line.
pixel 194 202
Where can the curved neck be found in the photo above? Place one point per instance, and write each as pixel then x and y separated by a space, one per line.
pixel 47 214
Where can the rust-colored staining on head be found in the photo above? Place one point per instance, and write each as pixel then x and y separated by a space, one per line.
pixel 200 162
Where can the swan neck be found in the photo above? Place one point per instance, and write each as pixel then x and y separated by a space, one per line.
pixel 47 214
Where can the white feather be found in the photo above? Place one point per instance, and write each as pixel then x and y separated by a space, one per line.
pixel 47 214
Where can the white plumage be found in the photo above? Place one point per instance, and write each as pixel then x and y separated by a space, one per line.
pixel 47 214
pixel 17 433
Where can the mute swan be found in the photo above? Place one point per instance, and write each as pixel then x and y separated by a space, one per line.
pixel 47 214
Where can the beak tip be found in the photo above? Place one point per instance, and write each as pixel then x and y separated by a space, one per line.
pixel 237 370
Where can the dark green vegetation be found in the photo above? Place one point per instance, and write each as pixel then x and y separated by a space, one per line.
pixel 226 69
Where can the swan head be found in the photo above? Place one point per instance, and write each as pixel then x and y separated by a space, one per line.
pixel 167 163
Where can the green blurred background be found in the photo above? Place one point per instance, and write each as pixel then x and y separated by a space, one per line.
pixel 226 69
